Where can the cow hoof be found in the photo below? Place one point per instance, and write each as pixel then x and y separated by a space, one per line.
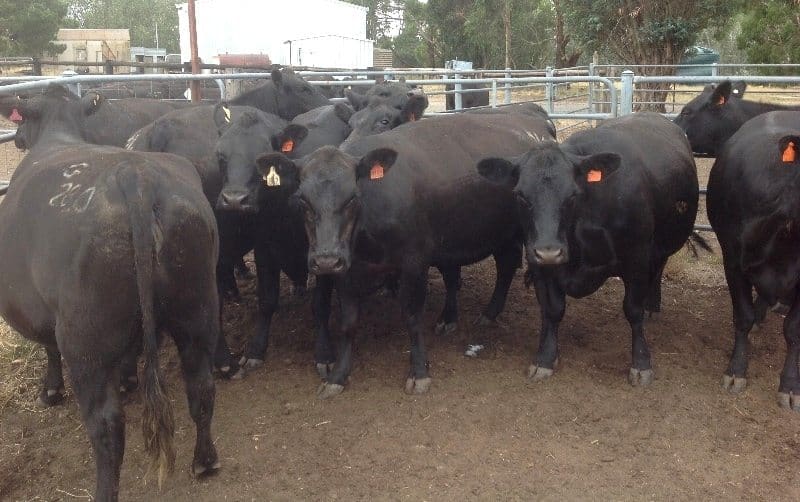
pixel 418 385
pixel 445 328
pixel 538 373
pixel 50 397
pixel 733 384
pixel 128 385
pixel 640 378
pixel 249 364
pixel 201 469
pixel 328 390
pixel 789 401
pixel 474 350
pixel 324 369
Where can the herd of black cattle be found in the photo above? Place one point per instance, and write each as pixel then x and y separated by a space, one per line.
pixel 130 218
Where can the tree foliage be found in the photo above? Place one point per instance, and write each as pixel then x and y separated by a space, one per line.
pixel 28 28
pixel 771 33
pixel 144 18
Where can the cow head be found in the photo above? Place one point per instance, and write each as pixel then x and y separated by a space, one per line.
pixel 711 118
pixel 383 114
pixel 295 95
pixel 241 142
pixel 55 112
pixel 549 185
pixel 91 102
pixel 331 184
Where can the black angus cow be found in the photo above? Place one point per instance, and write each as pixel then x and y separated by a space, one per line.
pixel 714 116
pixel 471 99
pixel 326 125
pixel 754 209
pixel 382 114
pixel 616 200
pixel 398 203
pixel 103 249
pixel 275 229
pixel 286 95
pixel 107 122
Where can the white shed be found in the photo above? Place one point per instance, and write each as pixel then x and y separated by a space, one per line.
pixel 321 33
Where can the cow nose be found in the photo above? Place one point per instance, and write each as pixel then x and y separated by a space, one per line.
pixel 327 264
pixel 550 256
pixel 232 200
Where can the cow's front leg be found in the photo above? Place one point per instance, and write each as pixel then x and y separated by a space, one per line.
pixel 269 277
pixel 413 288
pixel 448 319
pixel 789 389
pixel 641 372
pixel 552 303
pixel 52 392
pixel 334 385
pixel 324 356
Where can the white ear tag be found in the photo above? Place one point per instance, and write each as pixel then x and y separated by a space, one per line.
pixel 272 179
pixel 227 114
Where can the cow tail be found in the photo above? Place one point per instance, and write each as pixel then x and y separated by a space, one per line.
pixel 696 240
pixel 158 423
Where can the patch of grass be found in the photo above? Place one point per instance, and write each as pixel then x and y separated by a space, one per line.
pixel 22 366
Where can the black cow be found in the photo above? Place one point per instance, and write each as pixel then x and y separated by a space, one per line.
pixel 285 94
pixel 103 249
pixel 712 117
pixel 754 209
pixel 326 125
pixel 275 229
pixel 107 122
pixel 385 113
pixel 471 99
pixel 398 203
pixel 617 200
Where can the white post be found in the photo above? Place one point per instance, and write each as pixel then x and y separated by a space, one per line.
pixel 626 96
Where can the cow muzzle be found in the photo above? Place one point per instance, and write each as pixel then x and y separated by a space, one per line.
pixel 327 264
pixel 549 256
pixel 236 200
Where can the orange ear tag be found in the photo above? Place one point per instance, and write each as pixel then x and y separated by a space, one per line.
pixel 376 172
pixel 789 155
pixel 594 176
pixel 287 146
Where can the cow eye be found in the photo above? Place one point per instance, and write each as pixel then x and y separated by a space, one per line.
pixel 385 122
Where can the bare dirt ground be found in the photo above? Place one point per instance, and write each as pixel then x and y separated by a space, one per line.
pixel 481 433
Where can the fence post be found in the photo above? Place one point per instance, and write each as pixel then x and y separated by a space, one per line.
pixel 494 93
pixel 458 101
pixel 548 92
pixel 626 96
pixel 37 67
pixel 714 70
pixel 108 67
pixel 590 98
pixel 507 87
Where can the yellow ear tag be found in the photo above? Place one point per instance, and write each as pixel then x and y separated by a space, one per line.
pixel 789 155
pixel 594 176
pixel 272 179
pixel 287 146
pixel 94 101
pixel 227 114
pixel 376 172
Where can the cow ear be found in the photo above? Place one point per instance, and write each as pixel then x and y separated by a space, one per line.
pixel 790 149
pixel 357 101
pixel 499 171
pixel 223 118
pixel 375 164
pixel 343 112
pixel 277 170
pixel 738 89
pixel 277 77
pixel 596 168
pixel 287 140
pixel 91 102
pixel 414 107
pixel 721 94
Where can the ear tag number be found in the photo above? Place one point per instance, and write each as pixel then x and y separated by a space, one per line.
pixel 272 179
pixel 287 146
pixel 376 172
pixel 593 176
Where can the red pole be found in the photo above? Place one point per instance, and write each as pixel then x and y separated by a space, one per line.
pixel 195 84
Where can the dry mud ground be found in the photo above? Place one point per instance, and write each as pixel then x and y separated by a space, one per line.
pixel 482 432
